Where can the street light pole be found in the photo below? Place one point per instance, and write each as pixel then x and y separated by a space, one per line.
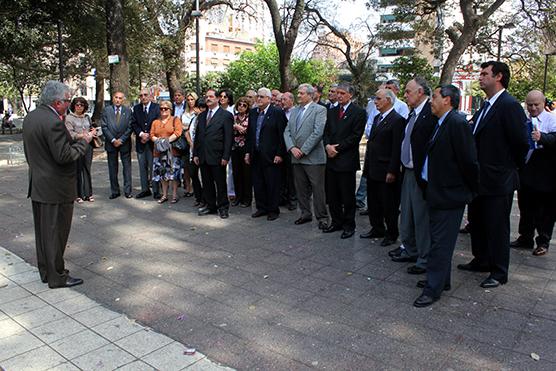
pixel 499 43
pixel 545 73
pixel 197 14
pixel 60 51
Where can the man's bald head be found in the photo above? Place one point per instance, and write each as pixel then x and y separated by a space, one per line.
pixel 535 102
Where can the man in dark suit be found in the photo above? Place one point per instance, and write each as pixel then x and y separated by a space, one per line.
pixel 265 152
pixel 345 124
pixel 451 176
pixel 382 169
pixel 142 118
pixel 500 132
pixel 116 127
pixel 414 217
pixel 51 156
pixel 537 177
pixel 211 151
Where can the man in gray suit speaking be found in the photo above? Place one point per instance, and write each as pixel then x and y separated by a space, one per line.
pixel 51 155
pixel 303 137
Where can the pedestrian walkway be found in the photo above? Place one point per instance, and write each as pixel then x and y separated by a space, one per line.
pixel 62 329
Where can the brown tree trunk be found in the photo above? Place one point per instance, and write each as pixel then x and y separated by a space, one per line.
pixel 115 33
pixel 99 95
pixel 455 54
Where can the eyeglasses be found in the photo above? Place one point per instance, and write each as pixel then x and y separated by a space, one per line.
pixel 242 105
pixel 223 96
pixel 79 104
pixel 164 109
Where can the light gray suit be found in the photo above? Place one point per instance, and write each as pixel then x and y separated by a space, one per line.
pixel 305 130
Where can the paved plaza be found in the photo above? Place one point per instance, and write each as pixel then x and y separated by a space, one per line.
pixel 254 294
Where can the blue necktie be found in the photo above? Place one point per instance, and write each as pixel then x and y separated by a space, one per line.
pixel 259 126
pixel 481 116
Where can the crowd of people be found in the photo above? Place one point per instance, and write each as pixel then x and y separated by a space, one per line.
pixel 424 163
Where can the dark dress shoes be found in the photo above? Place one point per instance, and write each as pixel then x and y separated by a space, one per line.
pixel 292 206
pixel 235 202
pixel 490 283
pixel 157 196
pixel 387 242
pixel 114 195
pixel 521 244
pixel 332 228
pixel 245 204
pixel 396 252
pixel 144 194
pixel 422 283
pixel 404 258
pixel 302 221
pixel 347 234
pixel 128 195
pixel 272 216
pixel 416 270
pixel 223 213
pixel 423 301
pixel 258 214
pixel 364 212
pixel 472 267
pixel 70 281
pixel 323 225
pixel 372 234
pixel 206 211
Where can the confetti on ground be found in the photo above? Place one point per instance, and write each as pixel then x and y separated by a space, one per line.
pixel 117 299
pixel 181 317
pixel 535 356
pixel 109 268
pixel 265 276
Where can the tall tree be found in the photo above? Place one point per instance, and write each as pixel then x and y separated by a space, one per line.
pixel 116 45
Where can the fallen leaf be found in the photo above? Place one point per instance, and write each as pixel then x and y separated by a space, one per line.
pixel 83 216
pixel 117 299
pixel 181 317
pixel 535 356
pixel 349 273
pixel 104 258
pixel 265 276
pixel 109 268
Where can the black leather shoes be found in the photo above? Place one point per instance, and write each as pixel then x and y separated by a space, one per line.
pixel 235 202
pixel 472 267
pixel 258 213
pixel 490 283
pixel 521 244
pixel 332 228
pixel 404 258
pixel 114 195
pixel 70 281
pixel 272 216
pixel 372 234
pixel 157 196
pixel 223 213
pixel 292 206
pixel 387 242
pixel 416 270
pixel 396 252
pixel 206 211
pixel 423 301
pixel 144 194
pixel 422 283
pixel 302 221
pixel 364 212
pixel 128 195
pixel 347 234
pixel 323 225
pixel 246 204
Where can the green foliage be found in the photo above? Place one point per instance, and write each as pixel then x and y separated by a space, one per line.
pixel 407 67
pixel 259 68
pixel 212 80
pixel 529 75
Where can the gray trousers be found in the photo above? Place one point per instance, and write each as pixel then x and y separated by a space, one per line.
pixel 414 220
pixel 52 228
pixel 145 160
pixel 309 179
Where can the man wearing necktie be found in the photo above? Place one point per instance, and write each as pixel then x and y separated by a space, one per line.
pixel 450 174
pixel 342 135
pixel 303 138
pixel 382 169
pixel 144 113
pixel 116 127
pixel 536 195
pixel 265 152
pixel 414 216
pixel 501 138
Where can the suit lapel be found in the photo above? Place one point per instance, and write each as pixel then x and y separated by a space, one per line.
pixel 305 115
pixel 380 125
pixel 441 129
pixel 490 112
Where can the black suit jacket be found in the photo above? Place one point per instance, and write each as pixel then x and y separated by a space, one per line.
pixel 213 142
pixel 502 144
pixel 384 148
pixel 271 137
pixel 346 132
pixel 420 136
pixel 453 169
pixel 141 123
pixel 539 173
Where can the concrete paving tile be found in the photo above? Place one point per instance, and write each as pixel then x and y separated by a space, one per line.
pixel 9 327
pixel 542 327
pixel 88 341
pixel 117 328
pixel 528 344
pixel 55 296
pixel 136 366
pixel 66 366
pixel 35 287
pixel 10 269
pixel 13 292
pixel 18 344
pixel 143 342
pixel 26 276
pixel 41 358
pixel 40 316
pixel 94 316
pixel 21 306
pixel 206 365
pixel 76 304
pixel 108 357
pixel 56 330
pixel 171 357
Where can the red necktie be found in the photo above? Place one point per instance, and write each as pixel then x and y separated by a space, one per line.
pixel 342 112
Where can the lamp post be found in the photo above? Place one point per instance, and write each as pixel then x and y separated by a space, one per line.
pixel 500 28
pixel 197 14
pixel 546 55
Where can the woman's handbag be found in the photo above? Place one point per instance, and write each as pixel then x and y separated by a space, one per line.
pixel 97 141
pixel 181 143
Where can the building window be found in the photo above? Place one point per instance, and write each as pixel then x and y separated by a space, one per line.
pixel 226 48
pixel 394 52
pixel 237 50
pixel 214 48
pixel 387 18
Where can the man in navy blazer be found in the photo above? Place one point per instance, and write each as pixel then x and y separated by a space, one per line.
pixel 501 138
pixel 451 176
pixel 142 118
pixel 116 127
pixel 212 149
pixel 265 152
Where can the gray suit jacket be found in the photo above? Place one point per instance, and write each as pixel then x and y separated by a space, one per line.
pixel 308 138
pixel 51 155
pixel 112 130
